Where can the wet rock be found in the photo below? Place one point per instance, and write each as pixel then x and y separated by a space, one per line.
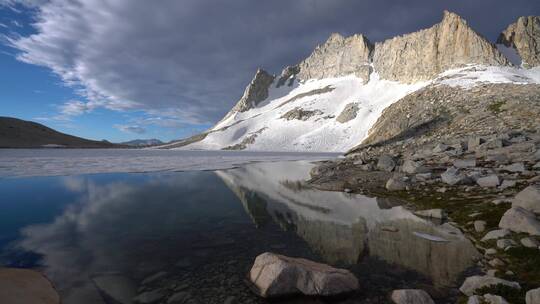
pixel 533 296
pixel 505 243
pixel 452 176
pixel 149 297
pixel 518 219
pixel 529 242
pixel 479 226
pixel 432 213
pixel 120 288
pixel 411 296
pixel 490 181
pixel 465 163
pixel 154 277
pixel 413 167
pixel 26 286
pixel 473 283
pixel 495 234
pixel 528 199
pixel 395 184
pixel 179 298
pixel 386 163
pixel 277 275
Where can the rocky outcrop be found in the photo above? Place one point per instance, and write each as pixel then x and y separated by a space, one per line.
pixel 473 283
pixel 524 36
pixel 424 54
pixel 288 75
pixel 255 92
pixel 349 113
pixel 338 56
pixel 276 276
pixel 518 219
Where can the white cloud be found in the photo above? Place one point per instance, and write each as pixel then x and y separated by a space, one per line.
pixel 131 129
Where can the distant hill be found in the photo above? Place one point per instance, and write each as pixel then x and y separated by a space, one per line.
pixel 17 133
pixel 143 142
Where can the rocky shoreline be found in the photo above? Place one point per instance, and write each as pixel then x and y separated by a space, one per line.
pixel 487 185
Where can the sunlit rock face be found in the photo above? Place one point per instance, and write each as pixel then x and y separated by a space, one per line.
pixel 524 36
pixel 338 56
pixel 424 54
pixel 343 228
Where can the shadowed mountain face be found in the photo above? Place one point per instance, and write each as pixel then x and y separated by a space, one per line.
pixel 17 133
pixel 345 228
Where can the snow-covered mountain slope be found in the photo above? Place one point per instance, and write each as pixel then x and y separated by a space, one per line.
pixel 332 114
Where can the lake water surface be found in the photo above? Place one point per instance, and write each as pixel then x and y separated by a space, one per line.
pixel 105 238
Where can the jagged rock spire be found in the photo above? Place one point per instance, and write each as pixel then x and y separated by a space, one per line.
pixel 524 36
pixel 424 54
pixel 338 56
pixel 255 92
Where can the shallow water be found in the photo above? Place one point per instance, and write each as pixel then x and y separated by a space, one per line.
pixel 105 238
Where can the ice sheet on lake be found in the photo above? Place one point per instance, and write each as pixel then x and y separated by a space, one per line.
pixel 45 162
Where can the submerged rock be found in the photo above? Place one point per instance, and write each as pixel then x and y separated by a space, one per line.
pixel 473 283
pixel 432 213
pixel 277 275
pixel 411 296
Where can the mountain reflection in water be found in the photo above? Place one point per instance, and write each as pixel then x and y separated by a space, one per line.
pixel 344 227
pixel 115 231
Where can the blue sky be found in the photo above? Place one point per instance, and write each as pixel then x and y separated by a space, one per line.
pixel 167 69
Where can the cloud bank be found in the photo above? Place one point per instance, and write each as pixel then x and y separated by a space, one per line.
pixel 188 61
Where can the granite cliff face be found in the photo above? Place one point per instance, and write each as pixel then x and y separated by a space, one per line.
pixel 524 36
pixel 424 54
pixel 339 56
pixel 255 92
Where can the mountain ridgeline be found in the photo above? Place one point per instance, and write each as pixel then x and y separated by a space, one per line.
pixel 352 74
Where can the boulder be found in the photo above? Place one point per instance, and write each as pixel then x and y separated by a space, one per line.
pixel 507 184
pixel 515 167
pixel 348 113
pixel 439 148
pixel 411 296
pixel 518 219
pixel 452 176
pixel 465 163
pixel 475 300
pixel 533 296
pixel 479 226
pixel 386 163
pixel 494 299
pixel 432 213
pixel 529 242
pixel 277 275
pixel 490 181
pixel 473 283
pixel 505 243
pixel 413 167
pixel 495 234
pixel 528 199
pixel 395 184
pixel 23 286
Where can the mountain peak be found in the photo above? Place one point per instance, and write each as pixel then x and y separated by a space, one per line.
pixel 524 37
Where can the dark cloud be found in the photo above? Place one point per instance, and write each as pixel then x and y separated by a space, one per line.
pixel 189 60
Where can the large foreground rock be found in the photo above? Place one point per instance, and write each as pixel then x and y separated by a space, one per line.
pixel 277 275
pixel 473 283
pixel 533 296
pixel 411 296
pixel 528 199
pixel 518 219
pixel 25 286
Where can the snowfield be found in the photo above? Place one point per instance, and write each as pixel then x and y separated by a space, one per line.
pixel 265 129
